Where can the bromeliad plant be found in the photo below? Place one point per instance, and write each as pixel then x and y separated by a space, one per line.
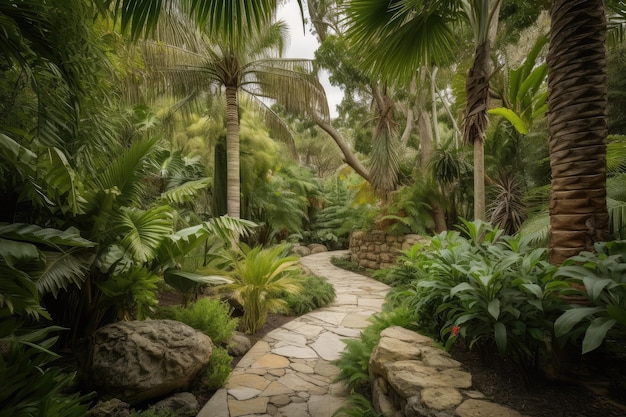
pixel 491 290
pixel 600 279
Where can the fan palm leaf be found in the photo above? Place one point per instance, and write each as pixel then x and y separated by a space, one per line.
pixel 144 231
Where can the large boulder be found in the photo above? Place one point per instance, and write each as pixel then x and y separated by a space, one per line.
pixel 139 360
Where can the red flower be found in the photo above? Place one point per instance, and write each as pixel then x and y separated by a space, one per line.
pixel 455 330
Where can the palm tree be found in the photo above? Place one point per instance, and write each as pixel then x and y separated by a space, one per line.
pixel 253 67
pixel 261 278
pixel 412 34
pixel 577 102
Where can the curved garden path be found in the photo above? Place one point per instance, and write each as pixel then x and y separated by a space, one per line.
pixel 289 372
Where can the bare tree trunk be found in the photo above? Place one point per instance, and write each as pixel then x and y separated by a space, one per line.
pixel 410 117
pixel 424 125
pixel 433 98
pixel 348 156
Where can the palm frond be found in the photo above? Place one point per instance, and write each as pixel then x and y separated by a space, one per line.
pixel 122 176
pixel 63 270
pixel 535 230
pixel 144 231
pixel 401 35
pixel 63 180
pixel 53 238
pixel 617 218
pixel 186 192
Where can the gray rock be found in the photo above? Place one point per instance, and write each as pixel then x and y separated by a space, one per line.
pixel 480 408
pixel 182 404
pixel 414 408
pixel 317 248
pixel 140 360
pixel 392 350
pixel 238 344
pixel 301 250
pixel 110 408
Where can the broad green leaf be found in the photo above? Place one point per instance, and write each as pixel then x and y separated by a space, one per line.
pixel 512 117
pixel 494 308
pixel 500 335
pixel 16 253
pixel 594 336
pixel 464 286
pixel 617 313
pixel 54 238
pixel 534 289
pixel 572 317
pixel 594 286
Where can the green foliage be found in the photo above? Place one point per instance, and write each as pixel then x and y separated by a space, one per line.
pixel 152 413
pixel 496 289
pixel 260 278
pixel 340 215
pixel 600 279
pixel 32 386
pixel 357 406
pixel 219 369
pixel 319 293
pixel 211 317
pixel 354 360
pixel 132 293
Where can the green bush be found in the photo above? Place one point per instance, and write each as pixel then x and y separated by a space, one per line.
pixel 31 386
pixel 353 363
pixel 319 293
pixel 260 279
pixel 600 279
pixel 210 316
pixel 220 366
pixel 493 291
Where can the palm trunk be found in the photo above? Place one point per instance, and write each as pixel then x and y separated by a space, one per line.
pixel 577 120
pixel 233 195
pixel 475 122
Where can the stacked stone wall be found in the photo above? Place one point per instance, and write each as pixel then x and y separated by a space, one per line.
pixel 412 377
pixel 375 249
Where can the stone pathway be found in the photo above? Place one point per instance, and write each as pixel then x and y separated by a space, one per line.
pixel 288 373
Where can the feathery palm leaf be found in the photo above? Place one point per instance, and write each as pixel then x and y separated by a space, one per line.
pixel 62 270
pixel 260 277
pixel 185 192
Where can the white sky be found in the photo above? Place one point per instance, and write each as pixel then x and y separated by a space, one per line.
pixel 303 45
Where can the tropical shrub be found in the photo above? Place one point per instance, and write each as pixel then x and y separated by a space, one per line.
pixel 260 278
pixel 210 316
pixel 319 293
pixel 599 279
pixel 353 363
pixel 31 385
pixel 218 370
pixel 490 290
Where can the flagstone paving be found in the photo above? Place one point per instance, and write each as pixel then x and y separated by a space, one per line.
pixel 289 373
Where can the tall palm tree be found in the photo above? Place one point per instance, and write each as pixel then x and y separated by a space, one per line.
pixel 252 67
pixel 577 102
pixel 415 33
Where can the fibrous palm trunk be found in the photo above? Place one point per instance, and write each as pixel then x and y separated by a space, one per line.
pixel 577 121
pixel 475 123
pixel 233 197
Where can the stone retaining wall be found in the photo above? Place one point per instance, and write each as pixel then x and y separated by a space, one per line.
pixel 411 377
pixel 375 249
